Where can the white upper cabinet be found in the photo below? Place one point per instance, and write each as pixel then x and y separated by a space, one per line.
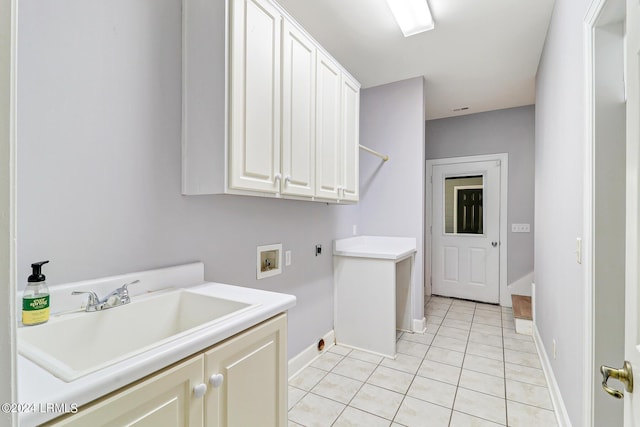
pixel 254 132
pixel 328 133
pixel 337 132
pixel 291 112
pixel 298 112
pixel 350 139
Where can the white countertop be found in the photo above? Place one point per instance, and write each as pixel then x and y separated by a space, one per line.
pixel 380 247
pixel 39 387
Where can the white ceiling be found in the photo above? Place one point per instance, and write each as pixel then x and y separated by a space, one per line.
pixel 482 54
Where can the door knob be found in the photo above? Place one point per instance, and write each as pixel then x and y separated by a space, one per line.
pixel 624 375
pixel 494 244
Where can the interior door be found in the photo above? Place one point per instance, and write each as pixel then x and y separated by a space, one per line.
pixel 466 230
pixel 632 294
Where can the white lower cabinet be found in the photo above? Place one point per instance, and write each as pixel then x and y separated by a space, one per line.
pixel 237 383
pixel 251 373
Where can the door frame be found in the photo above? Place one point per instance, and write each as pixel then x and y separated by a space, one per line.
pixel 591 24
pixel 504 297
pixel 8 291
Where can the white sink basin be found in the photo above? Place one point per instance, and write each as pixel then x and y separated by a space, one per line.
pixel 72 345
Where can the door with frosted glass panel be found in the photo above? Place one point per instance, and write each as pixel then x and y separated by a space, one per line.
pixel 466 231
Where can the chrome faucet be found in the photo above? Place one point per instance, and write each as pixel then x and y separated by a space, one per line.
pixel 119 296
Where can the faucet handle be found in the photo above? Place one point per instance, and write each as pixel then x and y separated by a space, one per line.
pixel 93 297
pixel 124 287
pixel 123 292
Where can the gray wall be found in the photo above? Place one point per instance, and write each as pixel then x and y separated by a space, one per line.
pixel 99 115
pixel 503 131
pixel 559 160
pixel 392 193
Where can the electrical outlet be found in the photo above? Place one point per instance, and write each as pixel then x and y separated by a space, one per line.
pixel 355 230
pixel 287 258
pixel 318 250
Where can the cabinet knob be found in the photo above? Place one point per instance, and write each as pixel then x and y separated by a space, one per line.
pixel 287 180
pixel 200 390
pixel 216 380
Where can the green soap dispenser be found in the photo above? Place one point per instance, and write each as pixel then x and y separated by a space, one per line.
pixel 35 300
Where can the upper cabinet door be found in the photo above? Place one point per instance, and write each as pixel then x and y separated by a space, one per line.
pixel 350 138
pixel 298 112
pixel 254 129
pixel 328 135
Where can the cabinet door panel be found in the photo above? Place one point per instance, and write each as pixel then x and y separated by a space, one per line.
pixel 327 128
pixel 255 96
pixel 254 367
pixel 298 112
pixel 350 138
pixel 166 399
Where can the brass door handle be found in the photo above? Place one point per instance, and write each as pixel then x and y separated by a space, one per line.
pixel 624 375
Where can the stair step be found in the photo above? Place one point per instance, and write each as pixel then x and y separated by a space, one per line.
pixel 521 307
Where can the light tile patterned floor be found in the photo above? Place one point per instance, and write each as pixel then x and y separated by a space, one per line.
pixel 470 368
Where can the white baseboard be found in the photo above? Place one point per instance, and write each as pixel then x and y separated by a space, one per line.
pixel 303 359
pixel 420 325
pixel 556 397
pixel 524 326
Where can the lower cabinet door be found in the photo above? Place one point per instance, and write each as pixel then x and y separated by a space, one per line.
pixel 166 399
pixel 247 378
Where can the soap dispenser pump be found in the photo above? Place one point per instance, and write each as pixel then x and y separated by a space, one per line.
pixel 35 300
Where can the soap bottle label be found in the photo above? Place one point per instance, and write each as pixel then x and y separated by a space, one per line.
pixel 35 310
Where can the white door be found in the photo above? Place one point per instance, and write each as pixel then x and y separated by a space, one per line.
pixel 466 230
pixel 628 373
pixel 298 112
pixel 328 114
pixel 350 139
pixel 255 96
pixel 248 378
pixel 632 294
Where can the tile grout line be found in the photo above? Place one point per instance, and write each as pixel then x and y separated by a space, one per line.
pixel 348 404
pixel 464 356
pixel 504 370
pixel 393 420
pixel 450 309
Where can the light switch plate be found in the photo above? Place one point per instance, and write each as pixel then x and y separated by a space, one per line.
pixel 578 250
pixel 520 228
pixel 287 258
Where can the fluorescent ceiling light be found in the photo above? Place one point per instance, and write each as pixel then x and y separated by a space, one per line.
pixel 413 16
